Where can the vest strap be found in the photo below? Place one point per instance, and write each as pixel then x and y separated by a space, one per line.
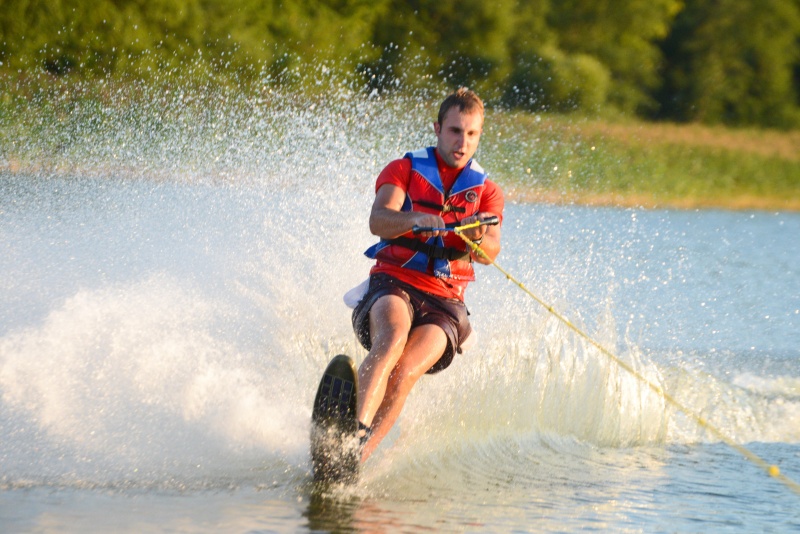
pixel 432 251
pixel 444 209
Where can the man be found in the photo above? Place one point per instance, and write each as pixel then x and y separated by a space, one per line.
pixel 412 319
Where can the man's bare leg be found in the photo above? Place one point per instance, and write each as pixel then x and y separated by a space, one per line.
pixel 389 323
pixel 425 346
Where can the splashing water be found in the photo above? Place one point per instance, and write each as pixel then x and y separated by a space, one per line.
pixel 172 276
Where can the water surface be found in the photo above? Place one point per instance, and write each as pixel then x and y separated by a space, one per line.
pixel 166 309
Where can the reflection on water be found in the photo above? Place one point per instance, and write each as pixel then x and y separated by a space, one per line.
pixel 676 489
pixel 329 512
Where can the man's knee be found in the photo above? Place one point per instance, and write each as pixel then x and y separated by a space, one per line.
pixel 389 320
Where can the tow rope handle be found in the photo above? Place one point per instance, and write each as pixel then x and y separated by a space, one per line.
pixel 490 221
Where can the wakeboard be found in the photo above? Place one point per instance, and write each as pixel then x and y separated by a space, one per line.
pixel 335 451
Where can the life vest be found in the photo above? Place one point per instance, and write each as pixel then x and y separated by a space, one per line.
pixel 444 256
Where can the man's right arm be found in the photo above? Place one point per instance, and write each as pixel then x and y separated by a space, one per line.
pixel 387 221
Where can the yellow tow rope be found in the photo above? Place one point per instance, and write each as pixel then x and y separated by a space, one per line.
pixel 771 469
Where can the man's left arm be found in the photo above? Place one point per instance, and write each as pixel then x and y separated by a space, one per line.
pixel 487 237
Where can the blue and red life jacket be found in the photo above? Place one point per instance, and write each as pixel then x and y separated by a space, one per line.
pixel 444 256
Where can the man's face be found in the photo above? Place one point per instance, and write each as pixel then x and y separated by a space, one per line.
pixel 458 136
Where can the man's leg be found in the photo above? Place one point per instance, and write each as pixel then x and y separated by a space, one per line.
pixel 424 347
pixel 389 323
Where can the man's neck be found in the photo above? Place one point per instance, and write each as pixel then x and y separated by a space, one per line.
pixel 447 173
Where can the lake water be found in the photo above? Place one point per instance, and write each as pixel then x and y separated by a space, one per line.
pixel 170 293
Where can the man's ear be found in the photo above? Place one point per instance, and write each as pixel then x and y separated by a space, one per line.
pixel 437 128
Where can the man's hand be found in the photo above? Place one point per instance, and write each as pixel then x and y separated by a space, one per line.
pixel 487 236
pixel 474 234
pixel 386 219
pixel 426 220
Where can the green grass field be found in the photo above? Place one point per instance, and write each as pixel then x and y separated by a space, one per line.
pixel 558 159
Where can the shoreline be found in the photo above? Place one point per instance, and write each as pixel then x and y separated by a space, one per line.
pixel 648 201
pixel 652 202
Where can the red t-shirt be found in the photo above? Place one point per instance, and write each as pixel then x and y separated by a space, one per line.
pixel 398 173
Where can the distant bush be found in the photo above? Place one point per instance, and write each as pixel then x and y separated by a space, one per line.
pixel 553 80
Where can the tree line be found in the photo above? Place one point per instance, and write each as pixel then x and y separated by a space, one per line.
pixel 733 62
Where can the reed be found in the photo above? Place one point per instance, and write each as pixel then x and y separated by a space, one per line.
pixel 560 159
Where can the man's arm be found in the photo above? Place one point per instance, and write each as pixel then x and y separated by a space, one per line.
pixel 489 236
pixel 387 221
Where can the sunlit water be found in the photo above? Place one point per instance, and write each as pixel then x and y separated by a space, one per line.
pixel 171 287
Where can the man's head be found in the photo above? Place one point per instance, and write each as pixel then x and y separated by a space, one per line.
pixel 459 127
pixel 465 100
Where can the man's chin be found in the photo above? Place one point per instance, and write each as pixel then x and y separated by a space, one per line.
pixel 457 161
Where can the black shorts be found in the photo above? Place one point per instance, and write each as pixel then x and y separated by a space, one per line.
pixel 450 315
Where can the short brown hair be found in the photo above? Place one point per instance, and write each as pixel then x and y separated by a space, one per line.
pixel 466 100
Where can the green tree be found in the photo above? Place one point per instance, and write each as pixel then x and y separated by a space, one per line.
pixel 733 62
pixel 623 35
pixel 33 31
pixel 548 79
pixel 460 42
pixel 101 37
pixel 277 35
pixel 144 37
